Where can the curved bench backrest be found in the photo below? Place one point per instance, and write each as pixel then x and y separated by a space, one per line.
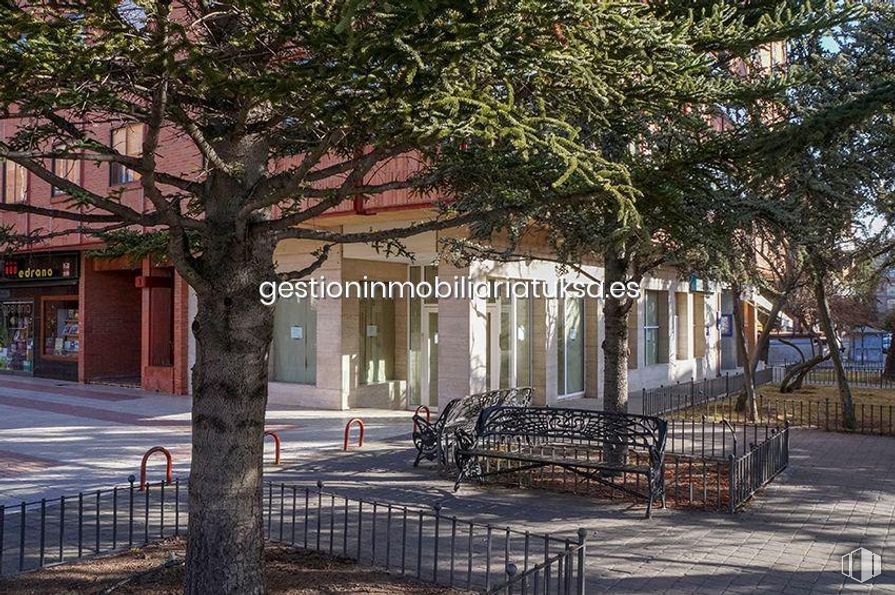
pixel 468 408
pixel 637 431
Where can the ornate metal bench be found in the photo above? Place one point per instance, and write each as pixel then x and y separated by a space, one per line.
pixel 521 439
pixel 435 440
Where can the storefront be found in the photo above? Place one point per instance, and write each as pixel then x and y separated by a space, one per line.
pixel 40 329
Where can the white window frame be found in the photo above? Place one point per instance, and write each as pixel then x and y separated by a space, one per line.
pixel 493 309
pixel 561 316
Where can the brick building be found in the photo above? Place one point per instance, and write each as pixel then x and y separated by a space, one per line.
pixel 67 314
pixel 70 314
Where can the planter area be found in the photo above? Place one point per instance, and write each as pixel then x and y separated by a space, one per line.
pixel 157 569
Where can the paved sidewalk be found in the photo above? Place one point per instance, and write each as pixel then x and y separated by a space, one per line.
pixel 837 495
pixel 61 437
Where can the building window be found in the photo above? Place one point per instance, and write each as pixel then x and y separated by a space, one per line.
pixel 127 140
pixel 294 353
pixel 698 325
pixel 655 328
pixel 682 327
pixel 15 182
pixel 60 329
pixel 423 340
pixel 570 352
pixel 377 340
pixel 508 358
pixel 68 169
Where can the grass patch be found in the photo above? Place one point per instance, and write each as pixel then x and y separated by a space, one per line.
pixel 812 405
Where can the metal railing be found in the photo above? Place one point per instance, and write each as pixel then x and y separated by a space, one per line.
pixel 54 530
pixel 755 469
pixel 824 374
pixel 557 569
pixel 426 544
pixel 710 439
pixel 825 414
pixel 667 399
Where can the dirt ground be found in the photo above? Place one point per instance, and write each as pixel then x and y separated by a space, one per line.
pixel 290 571
pixel 811 405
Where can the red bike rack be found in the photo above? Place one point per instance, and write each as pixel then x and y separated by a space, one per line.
pixel 428 414
pixel 276 442
pixel 360 438
pixel 168 469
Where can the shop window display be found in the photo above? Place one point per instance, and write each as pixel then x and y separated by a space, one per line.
pixel 16 336
pixel 61 328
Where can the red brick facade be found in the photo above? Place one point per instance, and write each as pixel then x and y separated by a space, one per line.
pixel 119 322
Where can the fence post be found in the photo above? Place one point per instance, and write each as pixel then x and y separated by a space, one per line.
pixel 511 573
pixel 827 414
pixel 727 384
pixel 731 484
pixel 582 545
pixel 692 393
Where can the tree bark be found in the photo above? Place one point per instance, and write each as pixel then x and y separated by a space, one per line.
pixel 764 337
pixel 233 331
pixel 615 348
pixel 826 324
pixel 793 379
pixel 747 401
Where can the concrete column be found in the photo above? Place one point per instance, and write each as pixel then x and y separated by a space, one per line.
pixel 334 362
pixel 591 348
pixel 462 341
pixel 544 349
pixel 671 342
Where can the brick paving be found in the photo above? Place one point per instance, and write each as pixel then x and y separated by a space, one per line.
pixel 837 495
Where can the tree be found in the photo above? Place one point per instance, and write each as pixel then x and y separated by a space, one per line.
pixel 827 164
pixel 677 148
pixel 292 107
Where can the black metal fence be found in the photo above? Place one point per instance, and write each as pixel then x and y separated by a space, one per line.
pixel 757 467
pixel 858 375
pixel 667 399
pixel 711 439
pixel 560 565
pixel 825 414
pixel 712 465
pixel 51 531
pixel 428 545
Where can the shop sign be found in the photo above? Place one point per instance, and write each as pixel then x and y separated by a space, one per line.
pixel 49 267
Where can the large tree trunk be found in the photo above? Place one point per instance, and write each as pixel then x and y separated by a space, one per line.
pixel 233 332
pixel 794 378
pixel 747 401
pixel 826 324
pixel 615 349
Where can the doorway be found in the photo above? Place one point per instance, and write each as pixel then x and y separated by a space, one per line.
pixel 429 345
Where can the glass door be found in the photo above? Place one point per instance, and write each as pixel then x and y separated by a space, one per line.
pixel 17 336
pixel 509 343
pixel 429 371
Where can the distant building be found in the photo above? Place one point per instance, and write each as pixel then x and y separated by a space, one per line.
pixel 885 296
pixel 867 345
pixel 788 348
